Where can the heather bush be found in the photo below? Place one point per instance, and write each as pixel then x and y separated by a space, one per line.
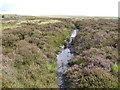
pixel 95 64
pixel 89 77
pixel 8 40
pixel 29 51
pixel 104 35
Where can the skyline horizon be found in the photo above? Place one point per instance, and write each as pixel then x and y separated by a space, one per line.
pixel 56 15
pixel 108 8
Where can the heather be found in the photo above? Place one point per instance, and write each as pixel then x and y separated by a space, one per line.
pixel 29 50
pixel 96 62
pixel 30 45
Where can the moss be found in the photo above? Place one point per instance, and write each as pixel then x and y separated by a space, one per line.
pixel 114 69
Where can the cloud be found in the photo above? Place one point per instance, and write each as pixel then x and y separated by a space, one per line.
pixel 62 7
pixel 5 7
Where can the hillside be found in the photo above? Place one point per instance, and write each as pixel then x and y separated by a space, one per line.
pixel 30 45
pixel 96 62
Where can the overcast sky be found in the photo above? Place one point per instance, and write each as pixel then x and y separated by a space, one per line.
pixel 60 7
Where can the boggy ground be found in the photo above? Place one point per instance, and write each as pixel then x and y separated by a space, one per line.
pixel 96 62
pixel 30 45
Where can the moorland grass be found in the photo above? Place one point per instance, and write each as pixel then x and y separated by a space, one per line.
pixel 29 52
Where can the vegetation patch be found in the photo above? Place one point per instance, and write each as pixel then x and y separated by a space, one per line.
pixel 29 51
pixel 96 62
pixel 30 47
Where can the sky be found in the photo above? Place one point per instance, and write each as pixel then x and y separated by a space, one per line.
pixel 60 7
